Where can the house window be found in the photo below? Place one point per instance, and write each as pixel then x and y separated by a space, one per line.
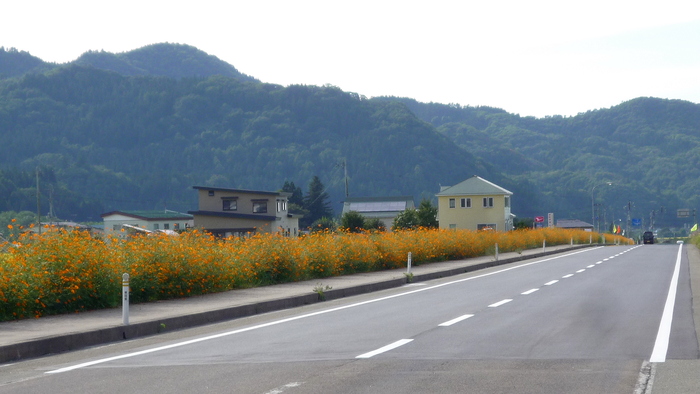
pixel 452 202
pixel 230 204
pixel 453 226
pixel 177 226
pixel 260 206
pixel 488 202
pixel 507 202
pixel 281 205
pixel 156 226
pixel 211 193
pixel 465 202
pixel 166 226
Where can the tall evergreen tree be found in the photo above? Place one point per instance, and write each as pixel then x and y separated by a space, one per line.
pixel 297 196
pixel 316 202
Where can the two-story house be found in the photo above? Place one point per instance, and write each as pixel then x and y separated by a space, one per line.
pixel 475 204
pixel 237 212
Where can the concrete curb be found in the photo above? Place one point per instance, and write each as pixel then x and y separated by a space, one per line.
pixel 81 340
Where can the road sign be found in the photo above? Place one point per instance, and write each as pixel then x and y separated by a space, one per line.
pixel 637 222
pixel 683 213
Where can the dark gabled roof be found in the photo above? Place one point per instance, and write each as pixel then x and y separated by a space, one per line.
pixel 225 189
pixel 151 215
pixel 473 186
pixel 232 215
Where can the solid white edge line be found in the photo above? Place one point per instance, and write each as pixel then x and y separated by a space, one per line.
pixel 273 323
pixel 282 389
pixel 453 321
pixel 384 349
pixel 658 355
pixel 529 291
pixel 501 302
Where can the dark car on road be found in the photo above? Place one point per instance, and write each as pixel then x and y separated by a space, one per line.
pixel 648 237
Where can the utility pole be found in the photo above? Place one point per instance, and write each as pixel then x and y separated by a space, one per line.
pixel 345 167
pixel 38 202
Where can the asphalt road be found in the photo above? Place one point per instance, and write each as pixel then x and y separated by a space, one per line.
pixel 582 322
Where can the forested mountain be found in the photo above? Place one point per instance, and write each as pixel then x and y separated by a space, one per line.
pixel 14 63
pixel 143 142
pixel 137 130
pixel 648 148
pixel 166 60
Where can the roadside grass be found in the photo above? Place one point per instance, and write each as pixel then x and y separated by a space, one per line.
pixel 71 271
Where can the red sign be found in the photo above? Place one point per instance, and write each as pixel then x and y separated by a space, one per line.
pixel 539 219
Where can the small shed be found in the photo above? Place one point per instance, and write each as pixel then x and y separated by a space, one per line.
pixel 574 224
pixel 383 208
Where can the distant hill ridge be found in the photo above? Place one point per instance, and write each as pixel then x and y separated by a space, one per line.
pixel 164 59
pixel 135 130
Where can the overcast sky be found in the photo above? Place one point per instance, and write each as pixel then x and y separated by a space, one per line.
pixel 533 58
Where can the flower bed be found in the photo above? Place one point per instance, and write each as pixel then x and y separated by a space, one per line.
pixel 71 271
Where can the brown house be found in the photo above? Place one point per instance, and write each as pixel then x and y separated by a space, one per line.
pixel 237 212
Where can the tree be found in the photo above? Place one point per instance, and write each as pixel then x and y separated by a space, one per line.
pixel 374 224
pixel 352 222
pixel 297 196
pixel 296 200
pixel 427 214
pixel 405 220
pixel 316 202
pixel 323 224
pixel 523 223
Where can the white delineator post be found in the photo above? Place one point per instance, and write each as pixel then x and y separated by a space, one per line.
pixel 544 246
pixel 125 299
pixel 496 252
pixel 408 264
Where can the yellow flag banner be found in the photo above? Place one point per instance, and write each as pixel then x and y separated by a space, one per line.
pixel 695 228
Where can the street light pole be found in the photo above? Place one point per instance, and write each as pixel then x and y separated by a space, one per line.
pixel 593 203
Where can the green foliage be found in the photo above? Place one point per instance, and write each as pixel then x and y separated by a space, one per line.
pixel 142 142
pixel 297 198
pixel 647 147
pixel 352 221
pixel 405 220
pixel 14 63
pixel 427 214
pixel 523 223
pixel 13 223
pixel 316 202
pixel 324 224
pixel 374 224
pixel 171 117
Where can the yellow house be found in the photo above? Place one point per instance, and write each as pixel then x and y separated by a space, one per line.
pixel 475 204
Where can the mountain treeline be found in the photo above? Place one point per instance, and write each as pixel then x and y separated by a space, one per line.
pixel 142 142
pixel 648 148
pixel 136 130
